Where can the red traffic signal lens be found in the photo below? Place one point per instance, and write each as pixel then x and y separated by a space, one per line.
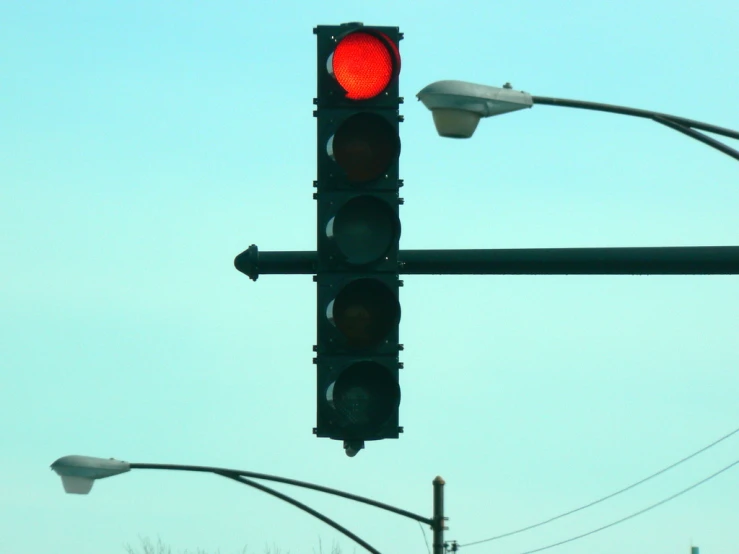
pixel 364 64
pixel 364 146
pixel 365 396
pixel 364 312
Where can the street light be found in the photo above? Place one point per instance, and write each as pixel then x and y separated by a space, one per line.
pixel 78 474
pixel 457 107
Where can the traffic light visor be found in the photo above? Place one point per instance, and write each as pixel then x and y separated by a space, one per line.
pixel 364 230
pixel 364 64
pixel 364 146
pixel 364 396
pixel 364 312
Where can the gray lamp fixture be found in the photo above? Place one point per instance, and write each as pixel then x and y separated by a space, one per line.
pixel 457 106
pixel 78 473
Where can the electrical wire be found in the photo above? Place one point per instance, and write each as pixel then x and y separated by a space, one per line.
pixel 425 539
pixel 640 512
pixel 604 498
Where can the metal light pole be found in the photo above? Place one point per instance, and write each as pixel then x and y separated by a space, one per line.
pixel 439 519
pixel 78 474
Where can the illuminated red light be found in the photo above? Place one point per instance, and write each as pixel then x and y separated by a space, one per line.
pixel 364 64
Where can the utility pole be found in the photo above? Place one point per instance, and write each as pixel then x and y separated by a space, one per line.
pixel 438 518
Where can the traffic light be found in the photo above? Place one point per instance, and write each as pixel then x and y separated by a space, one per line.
pixel 357 275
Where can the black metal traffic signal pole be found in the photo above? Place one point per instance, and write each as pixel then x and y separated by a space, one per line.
pixel 673 260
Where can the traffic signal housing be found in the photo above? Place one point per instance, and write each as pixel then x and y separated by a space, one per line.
pixel 358 232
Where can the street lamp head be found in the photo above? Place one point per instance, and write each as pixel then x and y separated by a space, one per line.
pixel 457 106
pixel 455 123
pixel 78 473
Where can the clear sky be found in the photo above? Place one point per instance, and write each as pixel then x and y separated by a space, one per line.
pixel 144 144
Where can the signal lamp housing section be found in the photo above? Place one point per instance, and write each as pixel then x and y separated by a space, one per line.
pixel 358 64
pixel 364 312
pixel 364 396
pixel 364 146
pixel 360 400
pixel 358 314
pixel 364 230
pixel 364 63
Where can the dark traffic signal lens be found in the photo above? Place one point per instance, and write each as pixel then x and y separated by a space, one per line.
pixel 364 229
pixel 364 311
pixel 364 146
pixel 364 396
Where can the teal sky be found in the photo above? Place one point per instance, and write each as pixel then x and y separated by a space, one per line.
pixel 144 144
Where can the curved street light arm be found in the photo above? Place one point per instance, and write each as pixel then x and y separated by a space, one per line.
pixel 597 106
pixel 692 133
pixel 78 474
pixel 300 505
pixel 293 482
pixel 681 124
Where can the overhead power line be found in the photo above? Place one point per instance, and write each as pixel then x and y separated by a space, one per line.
pixel 640 512
pixel 425 539
pixel 603 499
